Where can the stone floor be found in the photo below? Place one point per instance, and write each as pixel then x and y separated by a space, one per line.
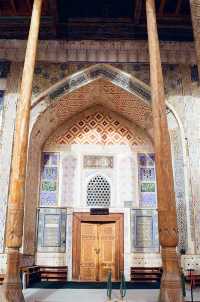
pixel 97 295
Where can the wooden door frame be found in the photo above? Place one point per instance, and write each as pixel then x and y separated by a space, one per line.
pixel 78 218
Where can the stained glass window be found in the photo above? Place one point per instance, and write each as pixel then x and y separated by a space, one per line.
pixel 49 179
pixel 147 180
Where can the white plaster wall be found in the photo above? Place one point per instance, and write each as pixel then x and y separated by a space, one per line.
pixel 123 178
pixel 51 259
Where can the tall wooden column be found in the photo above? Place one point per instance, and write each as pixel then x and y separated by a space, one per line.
pixel 11 290
pixel 195 12
pixel 171 290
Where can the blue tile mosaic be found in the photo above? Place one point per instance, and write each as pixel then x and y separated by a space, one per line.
pixel 147 180
pixel 49 179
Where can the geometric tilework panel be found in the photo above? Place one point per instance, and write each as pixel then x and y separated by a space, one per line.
pixel 98 128
pixel 144 231
pixel 49 179
pixel 47 74
pixel 179 181
pixel 179 187
pixel 147 180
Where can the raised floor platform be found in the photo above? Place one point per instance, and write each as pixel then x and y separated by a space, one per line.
pixel 83 295
pixel 97 295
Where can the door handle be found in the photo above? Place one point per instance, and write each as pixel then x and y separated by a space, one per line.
pixel 97 251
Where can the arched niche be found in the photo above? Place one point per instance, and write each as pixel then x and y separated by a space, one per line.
pixel 99 84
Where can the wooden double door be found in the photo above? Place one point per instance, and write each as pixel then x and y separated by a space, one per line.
pixel 97 247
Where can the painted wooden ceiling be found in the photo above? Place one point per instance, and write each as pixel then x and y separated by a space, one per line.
pixel 99 19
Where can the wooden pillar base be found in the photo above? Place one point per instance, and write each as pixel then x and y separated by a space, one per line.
pixel 11 290
pixel 171 286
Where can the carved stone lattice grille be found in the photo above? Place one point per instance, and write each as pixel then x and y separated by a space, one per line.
pixel 98 192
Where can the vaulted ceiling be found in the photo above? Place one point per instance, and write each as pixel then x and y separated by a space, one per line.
pixel 99 19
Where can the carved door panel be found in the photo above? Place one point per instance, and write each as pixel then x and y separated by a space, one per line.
pixel 98 251
pixel 89 247
pixel 97 246
pixel 107 248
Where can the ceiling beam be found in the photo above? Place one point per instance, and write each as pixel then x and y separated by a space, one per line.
pixel 138 11
pixel 54 13
pixel 29 5
pixel 13 6
pixel 161 8
pixel 178 7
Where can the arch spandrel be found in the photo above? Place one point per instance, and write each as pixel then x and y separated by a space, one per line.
pixel 98 92
pixel 90 74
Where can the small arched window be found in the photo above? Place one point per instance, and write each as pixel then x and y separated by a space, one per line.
pixel 98 192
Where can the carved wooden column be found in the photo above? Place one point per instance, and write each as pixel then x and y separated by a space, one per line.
pixel 11 290
pixel 195 12
pixel 171 290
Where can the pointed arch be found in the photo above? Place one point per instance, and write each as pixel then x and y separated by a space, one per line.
pixel 47 115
